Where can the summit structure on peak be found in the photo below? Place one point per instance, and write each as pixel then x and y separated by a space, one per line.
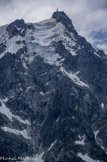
pixel 61 16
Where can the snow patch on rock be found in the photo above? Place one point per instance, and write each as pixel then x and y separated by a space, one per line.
pixel 17 132
pixel 74 77
pixel 81 141
pixel 11 45
pixel 102 105
pixel 52 145
pixel 87 158
pixel 5 110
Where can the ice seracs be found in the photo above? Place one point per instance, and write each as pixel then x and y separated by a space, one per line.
pixel 41 40
pixel 45 34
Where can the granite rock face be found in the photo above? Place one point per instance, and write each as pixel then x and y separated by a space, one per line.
pixel 53 93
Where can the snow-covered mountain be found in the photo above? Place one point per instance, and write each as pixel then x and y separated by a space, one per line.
pixel 53 93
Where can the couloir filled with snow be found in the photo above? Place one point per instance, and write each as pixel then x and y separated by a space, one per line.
pixel 6 111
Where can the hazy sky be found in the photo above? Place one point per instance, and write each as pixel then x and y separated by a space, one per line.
pixel 87 15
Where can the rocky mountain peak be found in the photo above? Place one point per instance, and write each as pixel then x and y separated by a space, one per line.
pixel 61 16
pixel 18 27
pixel 100 52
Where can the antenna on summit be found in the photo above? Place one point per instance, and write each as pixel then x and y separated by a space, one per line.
pixel 57 14
pixel 57 10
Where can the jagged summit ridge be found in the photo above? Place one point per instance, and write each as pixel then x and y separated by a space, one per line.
pixel 18 27
pixel 46 33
